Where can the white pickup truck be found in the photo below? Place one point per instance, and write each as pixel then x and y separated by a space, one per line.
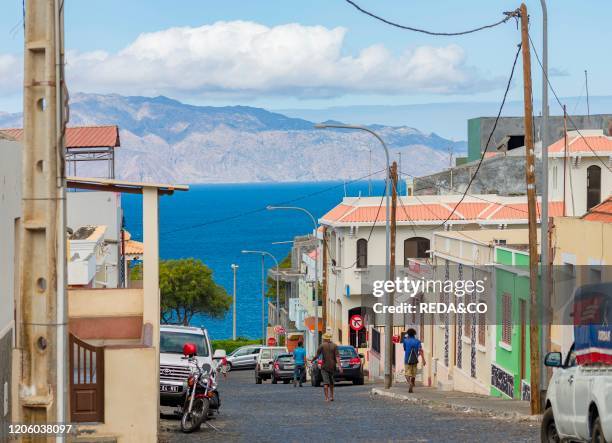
pixel 578 401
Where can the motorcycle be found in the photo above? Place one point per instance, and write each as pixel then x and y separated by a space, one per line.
pixel 202 396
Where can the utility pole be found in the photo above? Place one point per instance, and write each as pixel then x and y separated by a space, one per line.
pixel 41 333
pixel 391 300
pixel 324 279
pixel 534 330
pixel 235 269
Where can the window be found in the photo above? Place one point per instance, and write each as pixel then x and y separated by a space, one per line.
pixel 482 328
pixel 507 318
pixel 172 343
pixel 375 340
pixel 362 253
pixel 593 186
pixel 415 247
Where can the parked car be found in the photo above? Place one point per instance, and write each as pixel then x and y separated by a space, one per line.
pixel 244 357
pixel 282 368
pixel 352 367
pixel 173 369
pixel 265 359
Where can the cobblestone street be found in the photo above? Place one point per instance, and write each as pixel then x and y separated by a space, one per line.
pixel 280 413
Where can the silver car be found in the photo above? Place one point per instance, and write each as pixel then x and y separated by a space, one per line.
pixel 244 357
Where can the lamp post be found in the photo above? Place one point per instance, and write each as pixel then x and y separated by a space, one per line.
pixel 388 316
pixel 263 295
pixel 234 268
pixel 316 273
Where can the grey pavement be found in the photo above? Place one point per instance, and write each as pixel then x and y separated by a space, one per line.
pixel 473 404
pixel 282 413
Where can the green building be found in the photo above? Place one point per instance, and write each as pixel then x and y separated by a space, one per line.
pixel 510 366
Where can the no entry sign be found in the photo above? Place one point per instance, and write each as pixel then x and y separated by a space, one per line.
pixel 356 322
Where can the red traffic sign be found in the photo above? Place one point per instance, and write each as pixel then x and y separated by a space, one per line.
pixel 356 322
pixel 396 339
pixel 271 341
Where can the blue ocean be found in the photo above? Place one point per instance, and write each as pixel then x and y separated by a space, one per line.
pixel 215 222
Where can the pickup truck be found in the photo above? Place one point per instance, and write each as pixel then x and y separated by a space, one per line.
pixel 579 396
pixel 578 401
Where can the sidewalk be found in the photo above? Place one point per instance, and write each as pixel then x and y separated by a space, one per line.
pixel 461 402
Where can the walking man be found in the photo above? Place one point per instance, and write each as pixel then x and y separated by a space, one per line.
pixel 412 351
pixel 331 360
pixel 299 360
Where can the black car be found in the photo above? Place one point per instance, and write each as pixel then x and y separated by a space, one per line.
pixel 282 368
pixel 352 367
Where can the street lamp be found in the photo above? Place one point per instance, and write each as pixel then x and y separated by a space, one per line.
pixel 316 274
pixel 234 268
pixel 388 316
pixel 263 295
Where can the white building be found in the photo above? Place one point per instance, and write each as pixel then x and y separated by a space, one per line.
pixel 87 254
pixel 356 247
pixel 588 175
pixel 10 214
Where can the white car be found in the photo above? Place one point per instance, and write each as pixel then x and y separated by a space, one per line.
pixel 173 370
pixel 578 401
pixel 244 357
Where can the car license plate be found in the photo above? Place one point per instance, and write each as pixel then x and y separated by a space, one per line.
pixel 289 367
pixel 169 388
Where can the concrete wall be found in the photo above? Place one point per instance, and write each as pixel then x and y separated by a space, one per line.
pixel 10 213
pixel 127 376
pixel 99 208
pixel 503 175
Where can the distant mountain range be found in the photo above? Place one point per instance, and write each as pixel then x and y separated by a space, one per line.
pixel 164 140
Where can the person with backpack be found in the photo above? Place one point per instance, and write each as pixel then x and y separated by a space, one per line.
pixel 299 359
pixel 412 351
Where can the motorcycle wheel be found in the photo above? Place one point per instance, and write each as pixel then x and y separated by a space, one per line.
pixel 191 421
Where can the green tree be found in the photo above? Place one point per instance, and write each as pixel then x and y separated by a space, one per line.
pixel 187 288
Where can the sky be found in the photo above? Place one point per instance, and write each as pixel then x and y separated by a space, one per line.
pixel 311 54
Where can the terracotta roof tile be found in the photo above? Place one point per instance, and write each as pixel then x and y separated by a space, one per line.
pixel 599 144
pixel 133 247
pixel 602 212
pixel 82 136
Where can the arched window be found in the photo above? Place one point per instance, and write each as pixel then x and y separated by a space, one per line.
pixel 415 247
pixel 362 253
pixel 593 186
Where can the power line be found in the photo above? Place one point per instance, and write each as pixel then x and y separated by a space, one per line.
pixel 535 51
pixel 508 16
pixel 262 209
pixel 482 157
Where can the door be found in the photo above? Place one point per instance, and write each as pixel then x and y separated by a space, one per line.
pixel 583 385
pixel 86 363
pixel 593 186
pixel 564 387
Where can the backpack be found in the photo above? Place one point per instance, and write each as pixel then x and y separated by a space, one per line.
pixel 413 357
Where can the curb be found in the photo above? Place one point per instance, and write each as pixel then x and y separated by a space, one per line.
pixel 481 412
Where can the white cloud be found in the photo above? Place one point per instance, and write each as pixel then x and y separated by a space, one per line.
pixel 11 74
pixel 247 59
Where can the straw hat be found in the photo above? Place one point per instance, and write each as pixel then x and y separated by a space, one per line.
pixel 327 336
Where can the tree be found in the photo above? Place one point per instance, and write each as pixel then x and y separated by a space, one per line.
pixel 187 288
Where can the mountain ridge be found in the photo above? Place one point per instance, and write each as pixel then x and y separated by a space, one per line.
pixel 163 139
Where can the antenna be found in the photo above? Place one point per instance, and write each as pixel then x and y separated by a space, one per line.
pixel 399 173
pixel 344 181
pixel 586 83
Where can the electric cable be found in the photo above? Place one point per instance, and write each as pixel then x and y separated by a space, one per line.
pixel 508 16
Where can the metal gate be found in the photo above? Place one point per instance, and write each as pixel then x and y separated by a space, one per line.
pixel 86 381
